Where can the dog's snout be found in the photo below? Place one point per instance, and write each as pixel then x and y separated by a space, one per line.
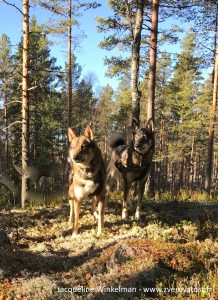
pixel 137 145
pixel 76 157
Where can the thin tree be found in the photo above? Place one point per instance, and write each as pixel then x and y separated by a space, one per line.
pixel 25 101
pixel 153 59
pixel 152 75
pixel 126 26
pixel 136 43
pixel 66 8
pixel 5 78
pixel 212 116
pixel 69 64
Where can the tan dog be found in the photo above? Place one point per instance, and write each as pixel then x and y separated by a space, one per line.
pixel 87 179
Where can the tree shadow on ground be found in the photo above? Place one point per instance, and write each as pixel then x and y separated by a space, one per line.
pixel 17 261
pixel 204 215
pixel 154 283
pixel 14 260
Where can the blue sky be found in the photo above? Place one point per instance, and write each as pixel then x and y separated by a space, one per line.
pixel 88 54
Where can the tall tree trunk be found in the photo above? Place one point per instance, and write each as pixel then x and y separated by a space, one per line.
pixel 6 136
pixel 192 163
pixel 181 173
pixel 167 168
pixel 173 179
pixel 136 94
pixel 212 114
pixel 153 56
pixel 25 101
pixel 6 124
pixel 152 74
pixel 35 130
pixel 216 173
pixel 69 64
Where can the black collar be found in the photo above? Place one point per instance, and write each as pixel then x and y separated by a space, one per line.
pixel 89 170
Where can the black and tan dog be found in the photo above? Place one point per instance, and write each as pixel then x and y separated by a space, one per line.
pixel 133 161
pixel 87 178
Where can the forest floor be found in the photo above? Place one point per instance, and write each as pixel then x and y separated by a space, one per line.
pixel 170 254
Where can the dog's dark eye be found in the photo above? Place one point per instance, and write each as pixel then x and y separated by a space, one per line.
pixel 84 146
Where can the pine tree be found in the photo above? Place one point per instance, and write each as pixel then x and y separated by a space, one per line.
pixel 185 88
pixel 127 22
pixel 25 102
pixel 47 107
pixel 123 101
pixel 103 122
pixel 163 119
pixel 6 67
pixel 213 108
pixel 153 58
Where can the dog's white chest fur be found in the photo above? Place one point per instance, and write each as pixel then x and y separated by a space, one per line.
pixel 83 190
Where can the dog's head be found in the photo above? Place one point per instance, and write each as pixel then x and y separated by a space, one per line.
pixel 81 150
pixel 143 137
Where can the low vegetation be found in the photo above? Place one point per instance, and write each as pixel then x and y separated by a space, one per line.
pixel 170 254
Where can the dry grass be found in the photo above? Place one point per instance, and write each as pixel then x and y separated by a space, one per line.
pixel 172 247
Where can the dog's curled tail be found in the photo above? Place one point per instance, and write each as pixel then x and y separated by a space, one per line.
pixel 116 139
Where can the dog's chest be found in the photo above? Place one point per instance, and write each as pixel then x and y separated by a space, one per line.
pixel 134 165
pixel 84 187
pixel 128 157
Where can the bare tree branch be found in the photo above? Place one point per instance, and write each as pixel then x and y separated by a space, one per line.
pixel 11 4
pixel 180 6
pixel 15 101
pixel 12 124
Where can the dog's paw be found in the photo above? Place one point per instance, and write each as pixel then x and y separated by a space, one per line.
pixel 70 225
pixel 74 236
pixel 124 214
pixel 99 235
pixel 137 215
pixel 96 216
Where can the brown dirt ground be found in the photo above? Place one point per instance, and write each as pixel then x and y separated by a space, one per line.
pixel 173 246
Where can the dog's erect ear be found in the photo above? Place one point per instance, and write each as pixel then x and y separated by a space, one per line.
pixel 150 125
pixel 71 134
pixel 88 133
pixel 135 124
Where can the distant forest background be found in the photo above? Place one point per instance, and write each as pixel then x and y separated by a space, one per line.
pixel 184 107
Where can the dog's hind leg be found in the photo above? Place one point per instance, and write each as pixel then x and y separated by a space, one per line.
pixel 109 183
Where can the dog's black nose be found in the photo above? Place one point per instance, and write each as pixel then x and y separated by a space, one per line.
pixel 76 157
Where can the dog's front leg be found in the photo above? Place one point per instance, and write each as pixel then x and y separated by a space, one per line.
pixel 71 213
pixel 71 201
pixel 141 189
pixel 126 200
pixel 76 218
pixel 101 207
pixel 94 204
